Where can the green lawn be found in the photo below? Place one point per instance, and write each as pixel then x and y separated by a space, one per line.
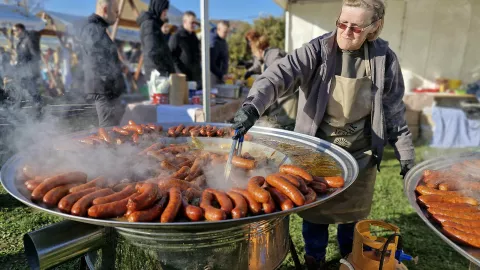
pixel 389 205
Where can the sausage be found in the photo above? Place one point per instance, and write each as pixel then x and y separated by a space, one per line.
pixel 254 187
pixel 243 163
pixel 172 182
pixel 455 214
pixel 30 171
pixel 286 188
pixel 200 180
pixel 186 131
pixel 179 129
pixel 173 206
pixel 195 132
pixel 102 133
pixel 203 131
pixel 427 199
pixel 58 180
pixel 150 214
pixel 454 207
pixel 220 132
pixel 464 222
pixel 222 198
pixel 121 186
pixel 192 212
pixel 121 131
pixel 152 147
pixel 33 183
pixel 187 163
pixel 182 173
pixel 52 197
pixel 196 168
pixel 310 196
pixel 171 132
pixel 269 207
pixel 97 182
pixel 253 205
pixel 66 203
pixel 424 190
pixel 450 186
pixel 248 137
pixel 292 169
pixel 298 182
pixel 247 155
pixel 212 132
pixel 241 207
pixel 124 193
pixel 147 197
pixel 110 210
pixel 283 201
pixel 135 138
pixel 462 237
pixel 165 164
pixel 211 213
pixel 318 187
pixel 81 206
pixel 134 127
pixel 331 181
pixel 191 193
pixel 431 174
pixel 463 228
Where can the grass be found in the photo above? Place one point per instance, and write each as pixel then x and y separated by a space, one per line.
pixel 389 205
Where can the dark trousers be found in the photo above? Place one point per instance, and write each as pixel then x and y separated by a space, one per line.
pixel 109 111
pixel 316 239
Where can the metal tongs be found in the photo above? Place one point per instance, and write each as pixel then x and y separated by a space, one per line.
pixel 236 150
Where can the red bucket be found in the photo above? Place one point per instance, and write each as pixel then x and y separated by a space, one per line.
pixel 160 99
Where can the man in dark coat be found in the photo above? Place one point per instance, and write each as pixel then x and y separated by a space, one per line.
pixel 185 48
pixel 104 82
pixel 219 54
pixel 27 71
pixel 155 48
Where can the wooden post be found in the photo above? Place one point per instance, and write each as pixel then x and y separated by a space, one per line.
pixel 134 8
pixel 115 26
pixel 139 68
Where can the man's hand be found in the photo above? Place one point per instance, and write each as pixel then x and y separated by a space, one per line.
pixel 244 119
pixel 406 165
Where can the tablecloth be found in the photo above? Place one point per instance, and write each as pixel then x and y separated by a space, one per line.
pixel 453 129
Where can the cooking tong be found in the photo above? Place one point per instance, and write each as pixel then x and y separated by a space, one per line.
pixel 236 150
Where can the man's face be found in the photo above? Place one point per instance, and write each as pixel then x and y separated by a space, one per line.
pixel 112 12
pixel 222 30
pixel 164 15
pixel 17 32
pixel 189 23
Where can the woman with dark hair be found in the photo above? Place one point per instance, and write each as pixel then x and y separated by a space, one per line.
pixel 156 53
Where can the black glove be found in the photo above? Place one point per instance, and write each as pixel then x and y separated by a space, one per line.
pixel 244 119
pixel 248 74
pixel 405 166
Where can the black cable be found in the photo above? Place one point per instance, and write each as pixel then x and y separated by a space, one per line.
pixel 384 250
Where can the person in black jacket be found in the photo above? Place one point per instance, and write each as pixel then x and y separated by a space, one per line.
pixel 27 70
pixel 219 54
pixel 185 48
pixel 155 49
pixel 104 82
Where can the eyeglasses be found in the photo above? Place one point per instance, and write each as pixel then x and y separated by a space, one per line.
pixel 355 29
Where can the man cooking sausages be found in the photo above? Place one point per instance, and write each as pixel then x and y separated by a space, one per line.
pixel 103 70
pixel 351 90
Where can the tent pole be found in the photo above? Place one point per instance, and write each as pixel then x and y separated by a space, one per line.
pixel 205 58
pixel 117 22
pixel 139 68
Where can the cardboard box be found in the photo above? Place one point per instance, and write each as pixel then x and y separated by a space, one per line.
pixel 412 117
pixel 417 102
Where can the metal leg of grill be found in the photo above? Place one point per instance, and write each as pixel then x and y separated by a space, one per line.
pixel 294 254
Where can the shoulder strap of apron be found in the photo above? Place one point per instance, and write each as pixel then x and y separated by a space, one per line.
pixel 367 59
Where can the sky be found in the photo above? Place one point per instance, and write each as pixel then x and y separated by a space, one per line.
pixel 245 10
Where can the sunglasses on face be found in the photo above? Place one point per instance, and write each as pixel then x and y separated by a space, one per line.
pixel 355 29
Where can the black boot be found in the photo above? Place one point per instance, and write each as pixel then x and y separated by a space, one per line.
pixel 312 264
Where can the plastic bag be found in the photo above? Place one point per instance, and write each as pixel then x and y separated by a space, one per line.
pixel 158 84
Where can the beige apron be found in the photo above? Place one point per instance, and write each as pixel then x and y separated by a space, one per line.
pixel 348 109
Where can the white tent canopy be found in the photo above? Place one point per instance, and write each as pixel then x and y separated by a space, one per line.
pixel 11 15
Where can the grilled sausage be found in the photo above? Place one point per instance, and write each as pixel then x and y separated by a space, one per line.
pixel 455 214
pixel 243 163
pixel 192 212
pixel 150 214
pixel 254 187
pixel 286 188
pixel 292 169
pixel 182 184
pixel 298 182
pixel 103 134
pixel 241 207
pixel 465 222
pixel 182 173
pixel 134 127
pixel 152 147
pixel 148 194
pixel 424 190
pixel 269 207
pixel 450 186
pixel 220 132
pixel 52 197
pixel 121 131
pixel 66 203
pixel 178 130
pixel 195 132
pixel 186 131
pixel 173 206
pixel 135 138
pixel 30 171
pixel 331 181
pixel 462 237
pixel 171 132
pixel 166 165
pixel 463 228
pixel 427 199
pixel 33 183
pixel 283 201
pixel 110 210
pixel 310 196
pixel 58 180
pixel 318 187
pixel 454 207
pixel 212 132
pixel 121 186
pixel 128 190
pixel 211 213
pixel 254 206
pixel 200 181
pixel 81 206
pixel 222 198
pixel 97 182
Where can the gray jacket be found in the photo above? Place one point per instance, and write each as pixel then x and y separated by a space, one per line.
pixel 312 68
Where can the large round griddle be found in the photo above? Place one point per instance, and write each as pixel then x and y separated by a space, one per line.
pixel 266 138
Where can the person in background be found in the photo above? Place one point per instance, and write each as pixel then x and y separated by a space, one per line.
pixel 283 112
pixel 104 82
pixel 256 68
pixel 166 31
pixel 156 53
pixel 185 48
pixel 27 70
pixel 136 53
pixel 219 54
pixel 351 95
pixel 66 66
